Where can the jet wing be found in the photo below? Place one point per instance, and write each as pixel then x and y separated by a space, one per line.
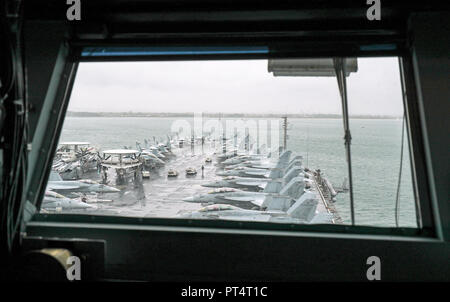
pixel 257 173
pixel 53 186
pixel 258 202
pixel 263 166
pixel 239 198
pixel 248 183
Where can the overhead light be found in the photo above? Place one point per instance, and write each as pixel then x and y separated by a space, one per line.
pixel 309 67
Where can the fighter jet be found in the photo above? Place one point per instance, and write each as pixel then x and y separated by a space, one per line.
pixel 243 161
pixel 244 157
pixel 255 183
pixel 243 171
pixel 149 157
pixel 156 150
pixel 53 201
pixel 56 184
pixel 224 156
pixel 235 153
pixel 249 200
pixel 304 207
pixel 256 157
pixel 250 183
pixel 302 211
pixel 229 212
pixel 264 164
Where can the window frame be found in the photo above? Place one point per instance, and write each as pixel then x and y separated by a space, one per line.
pixel 66 76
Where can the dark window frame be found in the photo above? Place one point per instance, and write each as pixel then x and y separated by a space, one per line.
pixel 426 227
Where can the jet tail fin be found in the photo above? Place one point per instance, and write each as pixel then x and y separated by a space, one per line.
pixel 284 159
pixel 277 203
pixel 296 161
pixel 168 144
pixel 294 188
pixel 275 173
pixel 54 176
pixel 293 172
pixel 304 208
pixel 262 149
pixel 272 187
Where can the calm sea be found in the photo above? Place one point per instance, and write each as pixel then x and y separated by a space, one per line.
pixel 375 157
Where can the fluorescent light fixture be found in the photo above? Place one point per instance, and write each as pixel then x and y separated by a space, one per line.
pixel 308 67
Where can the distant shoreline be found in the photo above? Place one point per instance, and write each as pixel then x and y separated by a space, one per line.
pixel 221 115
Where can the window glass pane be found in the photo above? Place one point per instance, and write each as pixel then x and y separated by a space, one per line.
pixel 245 140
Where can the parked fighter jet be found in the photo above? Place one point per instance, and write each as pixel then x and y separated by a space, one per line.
pixel 262 164
pixel 244 157
pixel 302 211
pixel 149 158
pixel 229 212
pixel 56 184
pixel 53 202
pixel 72 159
pixel 250 183
pixel 255 183
pixel 152 149
pixel 258 161
pixel 235 153
pixel 224 156
pixel 249 200
pixel 243 171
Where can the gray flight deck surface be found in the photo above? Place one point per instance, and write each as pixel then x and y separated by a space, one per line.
pixel 159 196
pixel 162 196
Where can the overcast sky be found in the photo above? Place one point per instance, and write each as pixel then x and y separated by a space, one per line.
pixel 232 86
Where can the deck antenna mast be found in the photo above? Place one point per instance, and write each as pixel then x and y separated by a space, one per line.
pixel 224 139
pixel 285 123
pixel 257 138
pixel 192 142
pixel 340 69
pixel 307 146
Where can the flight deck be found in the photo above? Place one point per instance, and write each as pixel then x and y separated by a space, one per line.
pixel 161 195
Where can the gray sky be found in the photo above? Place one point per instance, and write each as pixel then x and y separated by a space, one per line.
pixel 232 86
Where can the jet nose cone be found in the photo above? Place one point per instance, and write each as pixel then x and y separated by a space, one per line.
pixel 189 199
pixel 223 173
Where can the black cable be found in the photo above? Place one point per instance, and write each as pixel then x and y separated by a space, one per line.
pixel 17 210
pixel 339 64
pixel 10 49
pixel 16 136
pixel 397 198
